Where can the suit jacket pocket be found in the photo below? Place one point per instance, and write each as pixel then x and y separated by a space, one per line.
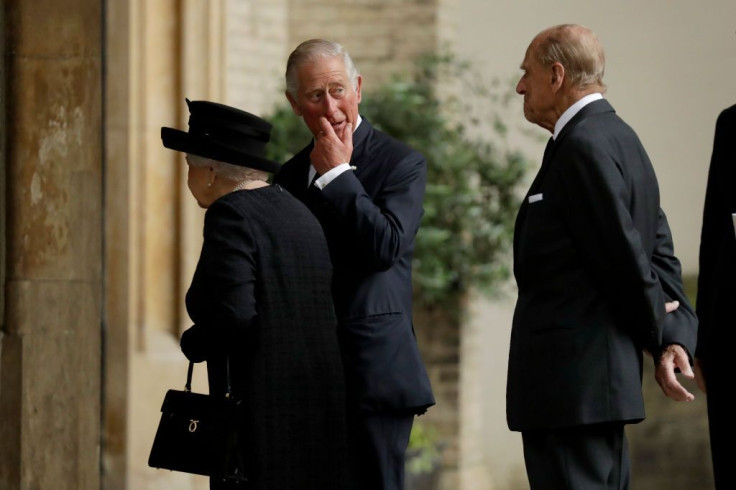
pixel 383 367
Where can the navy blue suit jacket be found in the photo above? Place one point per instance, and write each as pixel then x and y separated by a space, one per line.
pixel 371 215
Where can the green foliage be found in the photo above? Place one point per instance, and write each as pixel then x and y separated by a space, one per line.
pixel 424 448
pixel 472 183
pixel 288 136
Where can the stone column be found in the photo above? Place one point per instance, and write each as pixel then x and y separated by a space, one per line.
pixel 120 265
pixel 51 345
pixel 2 185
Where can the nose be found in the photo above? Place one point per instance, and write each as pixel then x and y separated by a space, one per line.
pixel 330 105
pixel 520 87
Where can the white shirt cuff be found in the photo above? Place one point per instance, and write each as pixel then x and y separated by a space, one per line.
pixel 331 175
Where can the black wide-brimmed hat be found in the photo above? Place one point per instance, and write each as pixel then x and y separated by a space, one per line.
pixel 223 133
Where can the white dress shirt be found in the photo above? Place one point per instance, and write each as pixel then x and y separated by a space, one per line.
pixel 574 109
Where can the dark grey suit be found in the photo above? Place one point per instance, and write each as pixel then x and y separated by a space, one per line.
pixel 594 264
pixel 370 216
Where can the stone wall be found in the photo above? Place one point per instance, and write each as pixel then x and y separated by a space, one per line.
pixel 2 188
pixel 382 36
pixel 51 345
pixel 256 50
pixel 438 335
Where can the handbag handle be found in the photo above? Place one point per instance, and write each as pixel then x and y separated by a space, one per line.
pixel 190 370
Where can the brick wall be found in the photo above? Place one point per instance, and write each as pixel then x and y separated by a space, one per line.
pixel 256 51
pixel 438 335
pixel 382 36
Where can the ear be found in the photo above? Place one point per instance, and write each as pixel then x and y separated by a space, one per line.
pixel 558 76
pixel 294 106
pixel 357 88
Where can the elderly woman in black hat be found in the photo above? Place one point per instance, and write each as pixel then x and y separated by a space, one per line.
pixel 261 305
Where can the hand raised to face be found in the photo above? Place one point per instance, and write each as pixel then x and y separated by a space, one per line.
pixel 330 148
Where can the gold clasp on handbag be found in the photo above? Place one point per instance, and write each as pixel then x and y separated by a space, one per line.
pixel 193 425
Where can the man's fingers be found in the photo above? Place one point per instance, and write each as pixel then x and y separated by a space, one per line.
pixel 685 368
pixel 674 356
pixel 672 388
pixel 347 135
pixel 680 360
pixel 680 394
pixel 325 128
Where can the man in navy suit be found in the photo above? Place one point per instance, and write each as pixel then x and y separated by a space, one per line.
pixel 596 273
pixel 366 189
pixel 716 291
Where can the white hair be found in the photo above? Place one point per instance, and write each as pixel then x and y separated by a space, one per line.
pixel 227 171
pixel 312 50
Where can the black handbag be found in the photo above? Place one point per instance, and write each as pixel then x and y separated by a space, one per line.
pixel 200 433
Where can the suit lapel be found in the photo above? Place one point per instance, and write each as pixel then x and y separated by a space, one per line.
pixel 548 150
pixel 359 143
pixel 596 107
pixel 532 190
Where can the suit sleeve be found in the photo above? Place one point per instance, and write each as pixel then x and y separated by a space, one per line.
pixel 382 228
pixel 221 300
pixel 680 326
pixel 594 201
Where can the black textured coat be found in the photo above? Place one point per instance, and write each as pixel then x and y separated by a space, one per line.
pixel 261 294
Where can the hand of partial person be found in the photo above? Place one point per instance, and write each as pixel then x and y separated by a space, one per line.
pixel 700 375
pixel 194 344
pixel 331 149
pixel 674 357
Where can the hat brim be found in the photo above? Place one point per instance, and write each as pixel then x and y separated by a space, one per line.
pixel 175 139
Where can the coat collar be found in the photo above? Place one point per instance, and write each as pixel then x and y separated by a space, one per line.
pixel 596 107
pixel 360 134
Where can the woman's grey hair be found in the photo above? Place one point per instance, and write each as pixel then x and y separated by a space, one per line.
pixel 577 48
pixel 310 51
pixel 227 171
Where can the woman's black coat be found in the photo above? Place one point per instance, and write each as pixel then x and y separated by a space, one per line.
pixel 261 293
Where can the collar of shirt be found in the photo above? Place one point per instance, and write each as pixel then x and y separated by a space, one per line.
pixel 312 171
pixel 574 109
